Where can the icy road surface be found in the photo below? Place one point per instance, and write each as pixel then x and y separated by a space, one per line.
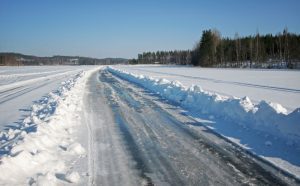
pixel 135 138
pixel 21 86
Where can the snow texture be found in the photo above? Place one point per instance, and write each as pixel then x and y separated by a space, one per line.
pixel 20 87
pixel 40 150
pixel 278 86
pixel 265 116
pixel 264 128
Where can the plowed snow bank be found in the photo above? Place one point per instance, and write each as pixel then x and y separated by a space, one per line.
pixel 41 149
pixel 268 117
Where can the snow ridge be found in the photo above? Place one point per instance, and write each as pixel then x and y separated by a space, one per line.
pixel 265 116
pixel 37 151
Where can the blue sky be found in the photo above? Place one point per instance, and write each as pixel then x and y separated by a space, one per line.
pixel 120 28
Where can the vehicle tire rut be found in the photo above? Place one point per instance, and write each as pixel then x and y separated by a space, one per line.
pixel 167 151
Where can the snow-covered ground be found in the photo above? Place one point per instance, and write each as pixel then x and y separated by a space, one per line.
pixel 20 87
pixel 264 128
pixel 42 148
pixel 78 125
pixel 279 86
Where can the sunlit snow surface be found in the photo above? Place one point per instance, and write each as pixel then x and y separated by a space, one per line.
pixel 41 147
pixel 220 101
pixel 279 86
pixel 20 87
pixel 44 139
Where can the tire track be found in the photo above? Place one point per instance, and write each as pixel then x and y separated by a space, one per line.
pixel 167 151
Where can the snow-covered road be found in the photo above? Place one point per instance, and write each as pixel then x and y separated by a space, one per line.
pixel 102 126
pixel 136 138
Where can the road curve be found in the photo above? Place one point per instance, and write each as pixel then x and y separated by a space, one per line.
pixel 135 138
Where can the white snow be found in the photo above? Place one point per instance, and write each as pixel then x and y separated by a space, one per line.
pixel 279 86
pixel 265 116
pixel 76 149
pixel 41 150
pixel 73 177
pixel 265 128
pixel 20 87
pixel 46 144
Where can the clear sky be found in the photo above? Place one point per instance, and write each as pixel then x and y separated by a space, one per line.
pixel 124 28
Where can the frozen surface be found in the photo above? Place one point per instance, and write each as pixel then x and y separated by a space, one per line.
pixel 20 87
pixel 95 128
pixel 140 139
pixel 263 128
pixel 279 86
pixel 43 148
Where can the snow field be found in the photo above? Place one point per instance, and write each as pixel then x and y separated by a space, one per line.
pixel 39 152
pixel 278 86
pixel 10 75
pixel 20 87
pixel 271 118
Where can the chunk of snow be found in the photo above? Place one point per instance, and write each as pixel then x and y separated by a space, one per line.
pixel 77 149
pixel 73 177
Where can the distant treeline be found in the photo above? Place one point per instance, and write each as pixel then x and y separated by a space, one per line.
pixel 266 51
pixel 164 57
pixel 16 59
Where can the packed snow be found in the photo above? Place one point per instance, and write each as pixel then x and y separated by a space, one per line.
pixel 264 128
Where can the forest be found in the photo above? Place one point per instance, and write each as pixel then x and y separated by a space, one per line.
pixel 17 59
pixel 256 51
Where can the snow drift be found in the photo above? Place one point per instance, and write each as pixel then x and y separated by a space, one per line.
pixel 39 150
pixel 268 117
